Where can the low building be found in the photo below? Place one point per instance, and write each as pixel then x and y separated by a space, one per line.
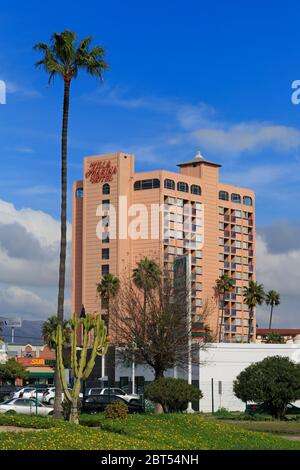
pixel 220 364
pixel 39 362
pixel 287 334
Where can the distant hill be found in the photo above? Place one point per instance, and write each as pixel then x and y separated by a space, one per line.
pixel 30 332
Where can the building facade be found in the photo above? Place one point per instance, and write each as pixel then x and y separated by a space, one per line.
pixel 120 216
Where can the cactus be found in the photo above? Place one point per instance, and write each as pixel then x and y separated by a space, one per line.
pixel 92 327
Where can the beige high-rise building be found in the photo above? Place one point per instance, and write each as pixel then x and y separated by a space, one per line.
pixel 116 223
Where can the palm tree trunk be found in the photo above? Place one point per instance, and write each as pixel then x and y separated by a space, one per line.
pixel 63 236
pixel 249 323
pixel 271 315
pixel 222 319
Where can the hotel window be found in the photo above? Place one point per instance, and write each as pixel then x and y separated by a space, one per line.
pixel 245 260
pixel 221 225
pixel 238 260
pixel 238 214
pixel 245 246
pixel 239 290
pixel 147 184
pixel 238 244
pixel 198 206
pixel 221 241
pixel 183 187
pixel 106 204
pixel 105 253
pixel 180 202
pixel 245 215
pixel 221 211
pixel 237 228
pixel 79 193
pixel 235 198
pixel 245 276
pixel 105 237
pixel 195 189
pixel 238 275
pixel 104 269
pixel 169 184
pixel 105 221
pixel 171 250
pixel 198 254
pixel 224 196
pixel 247 200
pixel 179 251
pixel 106 189
pixel 245 230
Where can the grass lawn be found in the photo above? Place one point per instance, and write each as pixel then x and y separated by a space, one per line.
pixel 175 431
pixel 274 427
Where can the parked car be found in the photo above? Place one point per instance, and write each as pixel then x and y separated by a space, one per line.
pixel 96 404
pixel 29 391
pixel 254 408
pixel 25 406
pixel 7 391
pixel 49 396
pixel 118 392
pixel 24 392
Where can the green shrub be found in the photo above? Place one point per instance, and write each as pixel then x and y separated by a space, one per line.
pixel 118 410
pixel 172 394
pixel 274 380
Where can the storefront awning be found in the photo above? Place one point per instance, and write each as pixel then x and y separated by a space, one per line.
pixel 40 372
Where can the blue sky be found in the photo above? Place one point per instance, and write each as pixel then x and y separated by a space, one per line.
pixel 214 76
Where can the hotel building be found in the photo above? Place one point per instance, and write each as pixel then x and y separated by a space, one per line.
pixel 210 221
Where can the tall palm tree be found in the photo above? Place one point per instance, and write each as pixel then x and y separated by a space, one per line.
pixel 108 288
pixel 253 295
pixel 146 276
pixel 49 328
pixel 65 57
pixel 224 285
pixel 272 299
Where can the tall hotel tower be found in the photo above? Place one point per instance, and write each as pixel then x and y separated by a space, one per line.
pixel 218 236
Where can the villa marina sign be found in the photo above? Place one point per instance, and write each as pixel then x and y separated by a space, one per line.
pixel 101 172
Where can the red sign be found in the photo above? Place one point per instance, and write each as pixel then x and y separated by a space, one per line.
pixel 101 172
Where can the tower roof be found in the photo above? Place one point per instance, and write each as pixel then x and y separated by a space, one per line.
pixel 198 160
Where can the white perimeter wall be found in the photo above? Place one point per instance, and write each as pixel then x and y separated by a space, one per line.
pixel 221 362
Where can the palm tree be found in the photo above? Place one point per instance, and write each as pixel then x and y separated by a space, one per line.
pixel 253 295
pixel 65 57
pixel 224 285
pixel 49 328
pixel 146 276
pixel 108 288
pixel 273 299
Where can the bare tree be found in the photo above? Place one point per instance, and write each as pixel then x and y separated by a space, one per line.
pixel 158 334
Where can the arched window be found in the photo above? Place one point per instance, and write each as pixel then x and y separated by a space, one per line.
pixel 195 189
pixel 235 198
pixel 169 184
pixel 147 184
pixel 79 193
pixel 183 187
pixel 247 200
pixel 224 196
pixel 106 189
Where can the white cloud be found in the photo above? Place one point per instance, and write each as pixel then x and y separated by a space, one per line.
pixel 29 256
pixel 248 137
pixel 281 272
pixel 25 303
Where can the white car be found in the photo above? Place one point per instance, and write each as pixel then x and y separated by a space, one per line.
pixel 118 392
pixel 49 396
pixel 25 406
pixel 24 392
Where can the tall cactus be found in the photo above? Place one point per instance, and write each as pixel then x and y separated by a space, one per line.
pixel 81 367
